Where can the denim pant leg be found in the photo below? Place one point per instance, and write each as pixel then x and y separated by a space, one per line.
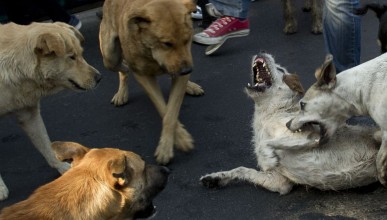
pixel 234 8
pixel 342 32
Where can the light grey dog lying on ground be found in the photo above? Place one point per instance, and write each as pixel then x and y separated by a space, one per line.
pixel 286 158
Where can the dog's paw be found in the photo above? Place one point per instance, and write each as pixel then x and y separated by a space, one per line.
pixel 3 191
pixel 120 98
pixel 211 181
pixel 194 89
pixel 164 153
pixel 317 28
pixel 290 26
pixel 183 139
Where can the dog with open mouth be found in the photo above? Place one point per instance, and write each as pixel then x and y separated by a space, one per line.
pixel 286 158
pixel 102 183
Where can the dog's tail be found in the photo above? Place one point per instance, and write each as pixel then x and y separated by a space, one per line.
pixel 379 9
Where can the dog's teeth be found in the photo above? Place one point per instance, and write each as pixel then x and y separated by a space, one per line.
pixel 264 64
pixel 248 84
pixel 256 84
pixel 317 140
pixel 299 130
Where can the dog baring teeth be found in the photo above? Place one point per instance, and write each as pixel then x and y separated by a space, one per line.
pixel 262 75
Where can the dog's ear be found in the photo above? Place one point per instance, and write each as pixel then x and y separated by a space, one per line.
pixel 326 75
pixel 190 5
pixel 119 171
pixel 293 81
pixel 69 151
pixel 77 33
pixel 50 43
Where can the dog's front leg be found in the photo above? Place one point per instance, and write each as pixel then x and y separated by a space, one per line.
pixel 381 160
pixel 317 16
pixel 293 143
pixel 32 123
pixel 271 180
pixel 164 151
pixel 180 137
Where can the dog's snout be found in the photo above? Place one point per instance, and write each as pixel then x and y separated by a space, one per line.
pixel 289 123
pixel 185 70
pixel 97 77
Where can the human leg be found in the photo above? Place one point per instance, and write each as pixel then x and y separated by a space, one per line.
pixel 342 33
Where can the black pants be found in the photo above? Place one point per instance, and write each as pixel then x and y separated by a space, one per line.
pixel 27 11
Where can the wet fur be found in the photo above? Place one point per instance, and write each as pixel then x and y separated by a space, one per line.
pixel 38 60
pixel 102 184
pixel 149 38
pixel 286 158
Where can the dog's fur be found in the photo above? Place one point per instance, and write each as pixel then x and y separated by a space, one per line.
pixel 35 61
pixel 289 13
pixel 380 11
pixel 150 38
pixel 102 184
pixel 286 158
pixel 357 91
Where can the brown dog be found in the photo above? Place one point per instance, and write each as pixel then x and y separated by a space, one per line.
pixel 38 60
pixel 289 13
pixel 102 184
pixel 150 38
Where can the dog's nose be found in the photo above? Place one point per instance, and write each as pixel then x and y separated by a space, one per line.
pixel 185 71
pixel 289 123
pixel 97 77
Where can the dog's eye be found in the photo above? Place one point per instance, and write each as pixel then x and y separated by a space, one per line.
pixel 73 57
pixel 302 105
pixel 168 44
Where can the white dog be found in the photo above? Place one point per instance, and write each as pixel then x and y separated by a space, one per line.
pixel 357 91
pixel 35 61
pixel 286 158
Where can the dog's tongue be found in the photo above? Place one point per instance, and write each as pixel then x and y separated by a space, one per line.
pixel 259 60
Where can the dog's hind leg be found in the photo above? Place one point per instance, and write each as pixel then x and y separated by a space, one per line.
pixel 289 17
pixel 122 95
pixel 32 123
pixel 271 180
pixel 3 190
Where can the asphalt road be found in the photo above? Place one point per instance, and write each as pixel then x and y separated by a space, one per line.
pixel 219 122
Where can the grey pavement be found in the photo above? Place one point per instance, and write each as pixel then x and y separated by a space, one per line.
pixel 219 121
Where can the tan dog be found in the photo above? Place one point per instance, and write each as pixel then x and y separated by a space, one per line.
pixel 102 184
pixel 150 38
pixel 286 158
pixel 289 13
pixel 35 61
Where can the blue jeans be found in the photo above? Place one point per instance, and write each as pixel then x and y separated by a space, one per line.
pixel 233 8
pixel 342 32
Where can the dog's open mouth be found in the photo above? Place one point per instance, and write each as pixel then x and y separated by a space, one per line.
pixel 318 129
pixel 76 85
pixel 148 212
pixel 261 75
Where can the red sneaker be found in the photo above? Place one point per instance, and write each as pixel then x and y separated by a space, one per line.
pixel 221 29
